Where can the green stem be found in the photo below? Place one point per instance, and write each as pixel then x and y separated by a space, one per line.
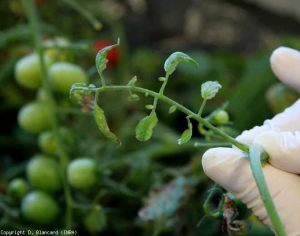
pixel 216 214
pixel 256 155
pixel 102 79
pixel 80 9
pixel 98 196
pixel 33 21
pixel 197 144
pixel 202 106
pixel 160 96
pixel 161 91
pixel 14 213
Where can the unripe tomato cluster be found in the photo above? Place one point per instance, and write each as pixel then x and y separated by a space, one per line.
pixel 46 176
pixel 37 116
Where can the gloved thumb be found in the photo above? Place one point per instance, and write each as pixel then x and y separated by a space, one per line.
pixel 283 149
pixel 230 168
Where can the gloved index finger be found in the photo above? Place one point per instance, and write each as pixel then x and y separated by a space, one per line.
pixel 285 65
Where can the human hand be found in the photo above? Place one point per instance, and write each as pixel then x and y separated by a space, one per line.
pixel 280 138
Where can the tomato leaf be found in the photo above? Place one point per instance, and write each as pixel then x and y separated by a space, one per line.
pixel 173 60
pixel 144 129
pixel 132 81
pixel 149 106
pixel 187 134
pixel 209 89
pixel 101 59
pixel 102 125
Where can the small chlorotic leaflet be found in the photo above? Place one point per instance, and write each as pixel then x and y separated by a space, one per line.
pixel 102 125
pixel 149 107
pixel 133 98
pixel 144 129
pixel 187 134
pixel 209 89
pixel 173 60
pixel 172 109
pixel 132 81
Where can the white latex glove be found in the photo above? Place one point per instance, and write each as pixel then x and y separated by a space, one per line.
pixel 280 137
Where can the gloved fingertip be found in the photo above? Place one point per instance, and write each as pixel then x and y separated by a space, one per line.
pixel 216 157
pixel 285 65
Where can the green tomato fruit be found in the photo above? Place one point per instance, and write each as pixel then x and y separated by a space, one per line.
pixel 82 173
pixel 63 75
pixel 43 173
pixel 221 117
pixel 39 208
pixel 35 117
pixel 47 142
pixel 17 188
pixel 28 71
pixel 95 220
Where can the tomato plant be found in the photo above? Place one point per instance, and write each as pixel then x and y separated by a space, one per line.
pixel 105 180
pixel 43 173
pixel 63 75
pixel 35 117
pixel 39 208
pixel 82 173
